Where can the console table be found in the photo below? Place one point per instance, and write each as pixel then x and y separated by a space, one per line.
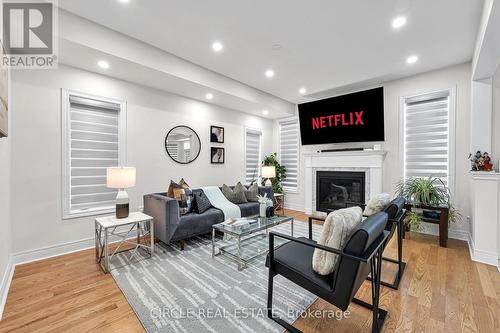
pixel 442 221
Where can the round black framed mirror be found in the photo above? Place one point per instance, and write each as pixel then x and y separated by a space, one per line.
pixel 182 144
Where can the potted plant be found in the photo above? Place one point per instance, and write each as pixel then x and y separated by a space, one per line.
pixel 431 191
pixel 272 160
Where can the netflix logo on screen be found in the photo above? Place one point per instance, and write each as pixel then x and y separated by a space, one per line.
pixel 356 117
pixel 339 119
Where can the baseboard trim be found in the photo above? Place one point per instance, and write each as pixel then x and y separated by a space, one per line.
pixel 298 208
pixel 453 234
pixel 485 257
pixel 57 250
pixel 459 234
pixel 47 252
pixel 5 286
pixel 25 257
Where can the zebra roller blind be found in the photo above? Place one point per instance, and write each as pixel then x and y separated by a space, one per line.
pixel 93 144
pixel 289 153
pixel 252 155
pixel 427 136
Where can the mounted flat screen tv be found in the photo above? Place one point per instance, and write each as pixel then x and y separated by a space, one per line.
pixel 356 117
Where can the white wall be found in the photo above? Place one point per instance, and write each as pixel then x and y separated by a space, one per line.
pixel 495 131
pixel 5 218
pixel 453 77
pixel 36 148
pixel 5 221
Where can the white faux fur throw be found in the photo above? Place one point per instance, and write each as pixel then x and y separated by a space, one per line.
pixel 377 204
pixel 337 228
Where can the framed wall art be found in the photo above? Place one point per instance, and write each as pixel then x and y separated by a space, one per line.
pixel 216 134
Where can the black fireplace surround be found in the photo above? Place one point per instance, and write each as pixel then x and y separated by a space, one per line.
pixel 335 188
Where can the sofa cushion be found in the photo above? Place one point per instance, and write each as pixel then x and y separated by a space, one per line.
pixel 196 224
pixel 377 204
pixel 236 195
pixel 249 208
pixel 251 193
pixel 336 231
pixel 202 204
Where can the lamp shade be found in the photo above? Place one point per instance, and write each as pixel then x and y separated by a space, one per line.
pixel 120 177
pixel 269 171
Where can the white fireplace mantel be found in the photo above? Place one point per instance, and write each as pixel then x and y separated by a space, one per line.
pixel 369 161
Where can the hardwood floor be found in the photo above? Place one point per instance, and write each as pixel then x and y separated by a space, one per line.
pixel 442 291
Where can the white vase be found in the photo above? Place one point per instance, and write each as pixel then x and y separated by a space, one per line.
pixel 262 209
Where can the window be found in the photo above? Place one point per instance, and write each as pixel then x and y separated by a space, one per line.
pixel 428 136
pixel 289 153
pixel 93 132
pixel 252 155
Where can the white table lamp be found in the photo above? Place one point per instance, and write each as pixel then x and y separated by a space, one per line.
pixel 121 178
pixel 268 172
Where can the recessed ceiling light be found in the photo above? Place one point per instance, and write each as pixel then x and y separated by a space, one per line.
pixel 398 22
pixel 411 59
pixel 217 46
pixel 269 73
pixel 124 1
pixel 302 91
pixel 209 96
pixel 103 64
pixel 265 112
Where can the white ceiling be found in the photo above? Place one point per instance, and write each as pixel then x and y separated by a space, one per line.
pixel 325 44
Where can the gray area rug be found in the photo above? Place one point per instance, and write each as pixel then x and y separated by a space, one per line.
pixel 189 291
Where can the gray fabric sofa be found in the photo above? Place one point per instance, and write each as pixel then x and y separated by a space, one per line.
pixel 170 226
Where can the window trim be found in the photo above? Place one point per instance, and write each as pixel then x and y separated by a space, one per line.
pixel 259 169
pixel 452 93
pixel 66 150
pixel 285 120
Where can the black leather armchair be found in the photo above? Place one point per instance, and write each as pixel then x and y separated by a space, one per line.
pixel 361 255
pixel 396 215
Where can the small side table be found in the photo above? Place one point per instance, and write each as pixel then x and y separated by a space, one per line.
pixel 279 199
pixel 107 226
pixel 442 221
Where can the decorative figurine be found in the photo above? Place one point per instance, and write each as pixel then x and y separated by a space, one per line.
pixel 481 162
pixel 475 161
pixel 488 166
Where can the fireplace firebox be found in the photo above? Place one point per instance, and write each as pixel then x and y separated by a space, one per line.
pixel 335 188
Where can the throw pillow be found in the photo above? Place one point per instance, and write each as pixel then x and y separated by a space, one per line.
pixel 252 192
pixel 336 231
pixel 202 204
pixel 173 185
pixel 237 195
pixel 185 186
pixel 183 194
pixel 377 204
pixel 187 200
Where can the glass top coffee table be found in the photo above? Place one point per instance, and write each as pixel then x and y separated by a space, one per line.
pixel 243 243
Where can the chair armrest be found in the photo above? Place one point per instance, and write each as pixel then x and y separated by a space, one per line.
pixel 399 219
pixel 369 253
